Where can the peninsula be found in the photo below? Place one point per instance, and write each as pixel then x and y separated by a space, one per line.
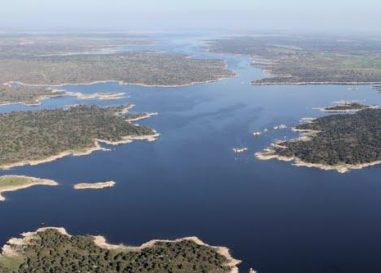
pixel 9 183
pixel 34 137
pixel 94 186
pixel 338 142
pixel 54 250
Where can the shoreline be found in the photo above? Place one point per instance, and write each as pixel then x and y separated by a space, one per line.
pixel 82 152
pixel 101 241
pixel 38 101
pixel 63 93
pixel 143 116
pixel 97 95
pixel 14 245
pixel 34 181
pixel 121 82
pixel 340 168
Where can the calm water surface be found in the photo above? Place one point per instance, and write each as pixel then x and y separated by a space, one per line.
pixel 275 217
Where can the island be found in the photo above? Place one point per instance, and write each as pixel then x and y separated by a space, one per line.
pixel 9 183
pixel 35 137
pixel 307 59
pixel 94 186
pixel 239 150
pixel 346 106
pixel 338 142
pixel 54 250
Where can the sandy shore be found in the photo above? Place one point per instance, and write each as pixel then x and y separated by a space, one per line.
pixel 14 246
pixel 94 186
pixel 126 83
pixel 126 109
pixel 33 181
pixel 224 251
pixel 143 116
pixel 83 152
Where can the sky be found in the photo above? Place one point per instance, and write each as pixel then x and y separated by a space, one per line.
pixel 171 15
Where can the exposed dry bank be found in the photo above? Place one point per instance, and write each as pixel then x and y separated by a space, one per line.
pixel 94 186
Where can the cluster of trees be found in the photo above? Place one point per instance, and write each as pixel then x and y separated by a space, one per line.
pixel 34 135
pixel 349 139
pixel 54 252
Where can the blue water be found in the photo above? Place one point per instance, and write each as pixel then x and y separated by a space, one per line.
pixel 272 215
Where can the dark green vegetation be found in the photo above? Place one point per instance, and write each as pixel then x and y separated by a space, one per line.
pixel 346 106
pixel 309 59
pixel 51 251
pixel 36 135
pixel 341 139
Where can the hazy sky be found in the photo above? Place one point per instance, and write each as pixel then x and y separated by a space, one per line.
pixel 137 15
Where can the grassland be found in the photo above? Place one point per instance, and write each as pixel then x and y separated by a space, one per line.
pixel 336 142
pixel 53 250
pixel 33 137
pixel 309 60
pixel 9 183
